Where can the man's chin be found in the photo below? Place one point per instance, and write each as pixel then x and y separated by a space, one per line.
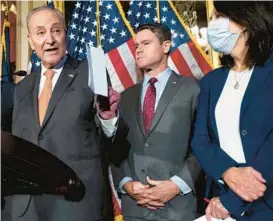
pixel 50 63
pixel 141 65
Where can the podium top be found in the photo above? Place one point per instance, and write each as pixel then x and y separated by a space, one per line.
pixel 29 169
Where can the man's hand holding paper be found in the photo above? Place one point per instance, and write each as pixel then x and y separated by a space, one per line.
pixel 114 99
pixel 98 83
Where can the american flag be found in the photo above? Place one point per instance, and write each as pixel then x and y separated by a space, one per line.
pixel 81 29
pixel 114 37
pixel 34 63
pixel 186 57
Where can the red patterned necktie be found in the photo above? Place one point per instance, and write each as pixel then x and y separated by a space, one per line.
pixel 149 104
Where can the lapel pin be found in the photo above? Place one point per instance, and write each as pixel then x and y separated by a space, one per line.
pixel 71 75
pixel 174 82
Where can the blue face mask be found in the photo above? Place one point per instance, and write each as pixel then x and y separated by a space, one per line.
pixel 219 36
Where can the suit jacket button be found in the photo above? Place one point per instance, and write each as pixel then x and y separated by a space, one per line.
pixel 143 171
pixel 146 144
pixel 40 137
pixel 244 132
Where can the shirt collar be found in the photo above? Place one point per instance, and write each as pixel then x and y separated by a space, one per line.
pixel 162 76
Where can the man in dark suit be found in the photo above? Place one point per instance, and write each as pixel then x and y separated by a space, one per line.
pixel 54 109
pixel 157 180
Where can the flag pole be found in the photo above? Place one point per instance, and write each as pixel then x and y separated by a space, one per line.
pixel 124 18
pixel 158 10
pixel 98 23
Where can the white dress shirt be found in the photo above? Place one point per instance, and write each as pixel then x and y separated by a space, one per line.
pixel 227 114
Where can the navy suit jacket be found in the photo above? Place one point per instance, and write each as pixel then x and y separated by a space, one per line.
pixel 256 129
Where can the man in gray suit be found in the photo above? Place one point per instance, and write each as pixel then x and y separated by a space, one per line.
pixel 54 109
pixel 157 180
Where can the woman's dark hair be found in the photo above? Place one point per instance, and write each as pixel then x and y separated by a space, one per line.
pixel 257 18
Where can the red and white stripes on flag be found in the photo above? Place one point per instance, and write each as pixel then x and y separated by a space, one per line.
pixel 121 66
pixel 123 72
pixel 186 57
pixel 186 60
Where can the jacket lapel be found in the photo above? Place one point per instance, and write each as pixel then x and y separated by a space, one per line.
pixel 257 79
pixel 170 90
pixel 34 98
pixel 138 109
pixel 67 75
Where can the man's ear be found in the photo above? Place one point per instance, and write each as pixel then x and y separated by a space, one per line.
pixel 167 46
pixel 30 41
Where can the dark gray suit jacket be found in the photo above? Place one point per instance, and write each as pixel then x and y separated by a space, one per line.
pixel 165 151
pixel 69 132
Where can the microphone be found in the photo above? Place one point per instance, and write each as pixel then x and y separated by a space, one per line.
pixel 20 73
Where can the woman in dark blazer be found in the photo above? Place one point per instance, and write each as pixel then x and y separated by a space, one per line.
pixel 233 138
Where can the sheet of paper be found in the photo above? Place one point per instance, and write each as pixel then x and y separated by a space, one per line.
pixel 97 80
pixel 203 218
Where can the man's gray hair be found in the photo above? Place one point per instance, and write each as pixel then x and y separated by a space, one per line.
pixel 45 8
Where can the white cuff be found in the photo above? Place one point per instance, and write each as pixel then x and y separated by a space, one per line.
pixel 108 126
pixel 182 185
pixel 122 182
